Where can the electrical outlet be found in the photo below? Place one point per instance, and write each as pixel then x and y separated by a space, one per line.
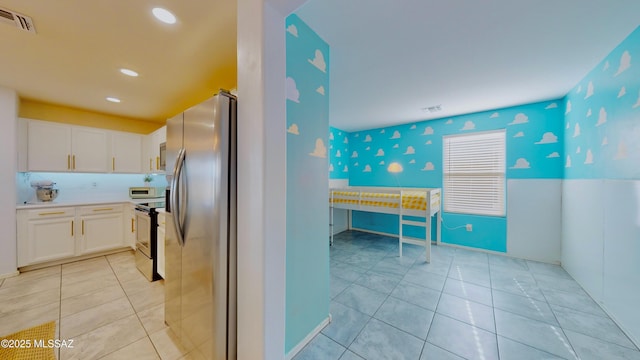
pixel 469 227
pixel 94 184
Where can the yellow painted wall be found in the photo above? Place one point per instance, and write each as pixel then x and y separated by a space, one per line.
pixel 42 111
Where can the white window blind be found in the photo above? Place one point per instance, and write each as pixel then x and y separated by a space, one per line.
pixel 474 173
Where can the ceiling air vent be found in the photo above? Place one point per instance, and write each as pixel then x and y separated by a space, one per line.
pixel 18 20
pixel 432 109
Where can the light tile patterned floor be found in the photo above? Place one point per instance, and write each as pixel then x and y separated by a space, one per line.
pixel 463 305
pixel 104 304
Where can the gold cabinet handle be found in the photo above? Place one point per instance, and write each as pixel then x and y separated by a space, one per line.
pixel 103 209
pixel 82 227
pixel 51 213
pixel 132 222
pixel 74 162
pixel 113 163
pixel 150 164
pixel 71 227
pixel 69 162
pixel 157 162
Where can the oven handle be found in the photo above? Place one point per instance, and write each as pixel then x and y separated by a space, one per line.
pixel 174 198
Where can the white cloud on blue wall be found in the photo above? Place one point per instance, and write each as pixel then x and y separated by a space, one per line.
pixel 381 162
pixel 367 168
pixel 396 146
pixel 413 127
pixel 589 112
pixel 625 63
pixel 520 118
pixel 589 158
pixel 429 142
pixel 551 106
pixel 320 90
pixel 293 30
pixel 494 115
pixel 396 135
pixel 548 138
pixel 413 161
pixel 354 154
pixel 331 137
pixel 410 151
pixel 380 153
pixel 468 125
pixel 589 90
pixel 330 167
pixel 602 117
pixel 449 122
pixel 428 166
pixel 568 108
pixel 292 91
pixel 553 155
pixel 519 134
pixel 521 163
pixel 605 141
pixel 606 66
pixel 338 153
pixel 568 163
pixel 368 138
pixel 320 150
pixel 637 102
pixel 576 130
pixel 293 129
pixel 318 61
pixel 622 92
pixel 428 131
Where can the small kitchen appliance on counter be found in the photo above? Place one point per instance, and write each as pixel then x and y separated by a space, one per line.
pixel 45 190
pixel 147 192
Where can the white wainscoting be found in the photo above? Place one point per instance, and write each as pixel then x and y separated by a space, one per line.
pixel 601 245
pixel 534 219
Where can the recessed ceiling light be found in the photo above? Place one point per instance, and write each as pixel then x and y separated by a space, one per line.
pixel 113 99
pixel 129 72
pixel 164 15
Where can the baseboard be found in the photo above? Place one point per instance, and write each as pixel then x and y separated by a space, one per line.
pixel 72 259
pixel 308 338
pixel 8 275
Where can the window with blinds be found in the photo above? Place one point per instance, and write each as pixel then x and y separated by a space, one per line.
pixel 474 173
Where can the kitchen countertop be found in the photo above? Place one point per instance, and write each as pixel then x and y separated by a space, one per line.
pixel 54 204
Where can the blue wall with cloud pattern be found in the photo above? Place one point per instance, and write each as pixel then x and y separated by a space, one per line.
pixel 534 141
pixel 307 268
pixel 602 121
pixel 339 150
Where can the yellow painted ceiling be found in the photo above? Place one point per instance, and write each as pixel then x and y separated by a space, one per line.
pixel 75 56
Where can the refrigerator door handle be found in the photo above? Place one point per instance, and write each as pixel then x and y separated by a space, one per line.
pixel 175 200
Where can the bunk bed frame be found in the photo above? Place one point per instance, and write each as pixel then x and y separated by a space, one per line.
pixel 416 202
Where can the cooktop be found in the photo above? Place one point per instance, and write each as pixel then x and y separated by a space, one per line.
pixel 152 205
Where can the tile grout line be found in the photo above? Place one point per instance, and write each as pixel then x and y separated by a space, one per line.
pixel 134 311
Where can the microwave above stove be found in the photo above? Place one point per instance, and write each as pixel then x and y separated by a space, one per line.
pixel 146 192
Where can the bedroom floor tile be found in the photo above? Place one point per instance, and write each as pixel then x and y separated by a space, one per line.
pixel 465 304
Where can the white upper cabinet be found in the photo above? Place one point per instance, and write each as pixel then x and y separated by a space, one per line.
pixel 151 161
pixel 49 146
pixel 89 148
pixel 126 153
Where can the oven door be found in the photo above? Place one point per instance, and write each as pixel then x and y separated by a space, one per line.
pixel 143 235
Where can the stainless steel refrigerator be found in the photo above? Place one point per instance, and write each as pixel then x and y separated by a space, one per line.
pixel 200 245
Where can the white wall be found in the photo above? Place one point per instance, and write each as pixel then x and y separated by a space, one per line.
pixel 601 245
pixel 534 219
pixel 261 181
pixel 8 161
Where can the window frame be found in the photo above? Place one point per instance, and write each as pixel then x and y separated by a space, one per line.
pixel 484 178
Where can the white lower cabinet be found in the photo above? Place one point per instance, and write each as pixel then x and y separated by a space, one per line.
pixel 45 235
pixel 130 226
pixel 101 228
pixel 59 233
pixel 160 233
